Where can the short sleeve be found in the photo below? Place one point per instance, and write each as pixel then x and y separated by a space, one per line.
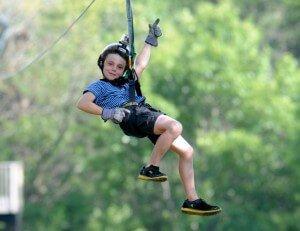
pixel 94 88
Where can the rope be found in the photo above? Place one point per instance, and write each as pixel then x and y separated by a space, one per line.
pixel 44 52
pixel 134 85
pixel 130 32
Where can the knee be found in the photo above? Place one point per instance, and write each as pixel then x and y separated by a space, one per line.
pixel 188 153
pixel 175 128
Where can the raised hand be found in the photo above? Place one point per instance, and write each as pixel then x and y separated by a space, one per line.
pixel 154 33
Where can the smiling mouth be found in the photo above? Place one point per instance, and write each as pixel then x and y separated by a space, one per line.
pixel 112 74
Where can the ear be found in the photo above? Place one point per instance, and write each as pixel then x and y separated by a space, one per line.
pixel 101 62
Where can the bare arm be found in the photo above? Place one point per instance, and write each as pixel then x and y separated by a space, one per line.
pixel 142 60
pixel 86 104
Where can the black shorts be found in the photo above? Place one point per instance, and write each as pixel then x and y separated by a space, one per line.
pixel 140 122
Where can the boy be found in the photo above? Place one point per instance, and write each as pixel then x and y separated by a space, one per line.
pixel 109 98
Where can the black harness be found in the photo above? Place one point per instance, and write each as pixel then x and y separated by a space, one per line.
pixel 130 75
pixel 134 84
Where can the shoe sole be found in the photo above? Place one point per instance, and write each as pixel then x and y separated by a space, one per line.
pixel 199 212
pixel 156 179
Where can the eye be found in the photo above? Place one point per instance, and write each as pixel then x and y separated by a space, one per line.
pixel 120 67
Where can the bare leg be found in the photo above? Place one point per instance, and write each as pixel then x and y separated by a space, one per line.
pixel 186 170
pixel 169 129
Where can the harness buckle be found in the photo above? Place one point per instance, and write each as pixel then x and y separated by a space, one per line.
pixel 129 104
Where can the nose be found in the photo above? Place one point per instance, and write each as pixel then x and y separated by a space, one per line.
pixel 113 68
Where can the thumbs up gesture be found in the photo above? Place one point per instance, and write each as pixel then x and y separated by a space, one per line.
pixel 154 33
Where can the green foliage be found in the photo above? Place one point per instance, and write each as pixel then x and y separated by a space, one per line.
pixel 216 70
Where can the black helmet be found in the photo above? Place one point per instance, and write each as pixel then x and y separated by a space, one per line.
pixel 120 48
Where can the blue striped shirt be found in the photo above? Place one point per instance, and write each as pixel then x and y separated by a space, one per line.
pixel 110 96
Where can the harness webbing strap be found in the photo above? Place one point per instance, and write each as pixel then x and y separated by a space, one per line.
pixel 130 33
pixel 131 90
pixel 134 84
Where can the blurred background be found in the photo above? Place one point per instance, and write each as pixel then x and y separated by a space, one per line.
pixel 228 70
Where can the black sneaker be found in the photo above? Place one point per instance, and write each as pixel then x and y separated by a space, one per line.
pixel 152 173
pixel 199 207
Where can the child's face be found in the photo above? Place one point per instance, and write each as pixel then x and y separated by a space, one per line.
pixel 114 66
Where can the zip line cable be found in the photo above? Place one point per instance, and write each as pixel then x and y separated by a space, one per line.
pixel 43 53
